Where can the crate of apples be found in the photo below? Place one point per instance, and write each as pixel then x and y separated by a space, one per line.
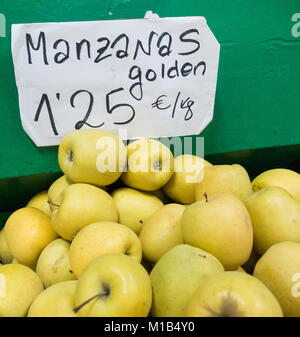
pixel 131 231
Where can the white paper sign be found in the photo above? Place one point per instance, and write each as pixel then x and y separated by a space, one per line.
pixel 153 77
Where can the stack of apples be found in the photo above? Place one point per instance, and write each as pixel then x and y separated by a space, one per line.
pixel 132 231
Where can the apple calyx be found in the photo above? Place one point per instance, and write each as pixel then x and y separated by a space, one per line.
pixel 205 196
pixel 104 294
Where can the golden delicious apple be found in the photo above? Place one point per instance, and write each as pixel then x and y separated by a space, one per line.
pixel 80 205
pixel 53 265
pixel 150 165
pixel 19 286
pixel 275 216
pixel 135 206
pixel 162 231
pixel 220 225
pixel 233 294
pixel 92 156
pixel 177 275
pixel 232 179
pixel 101 238
pixel 56 188
pixel 279 270
pixel 287 179
pixel 28 231
pixel 113 285
pixel 55 301
pixel 188 171
pixel 40 201
pixel 5 253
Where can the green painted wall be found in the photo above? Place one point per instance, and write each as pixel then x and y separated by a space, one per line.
pixel 257 100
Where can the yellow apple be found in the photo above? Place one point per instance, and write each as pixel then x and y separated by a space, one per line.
pixel 113 285
pixel 177 275
pixel 275 216
pixel 92 156
pixel 279 270
pixel 40 201
pixel 53 265
pixel 19 286
pixel 232 179
pixel 233 294
pixel 80 205
pixel 287 179
pixel 5 253
pixel 135 206
pixel 55 301
pixel 188 171
pixel 28 231
pixel 162 231
pixel 101 238
pixel 220 225
pixel 56 188
pixel 149 165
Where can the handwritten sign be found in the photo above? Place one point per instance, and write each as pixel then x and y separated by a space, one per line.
pixel 153 77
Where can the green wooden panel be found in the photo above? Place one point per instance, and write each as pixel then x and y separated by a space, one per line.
pixel 16 192
pixel 257 99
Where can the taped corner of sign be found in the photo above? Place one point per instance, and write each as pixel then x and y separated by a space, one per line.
pixel 150 15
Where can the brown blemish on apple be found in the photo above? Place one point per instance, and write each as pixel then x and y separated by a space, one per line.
pixel 203 256
pixel 70 155
pixel 229 308
pixel 104 294
pixel 205 196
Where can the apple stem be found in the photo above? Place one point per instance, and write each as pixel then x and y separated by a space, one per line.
pixel 205 195
pixel 76 309
pixel 51 203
